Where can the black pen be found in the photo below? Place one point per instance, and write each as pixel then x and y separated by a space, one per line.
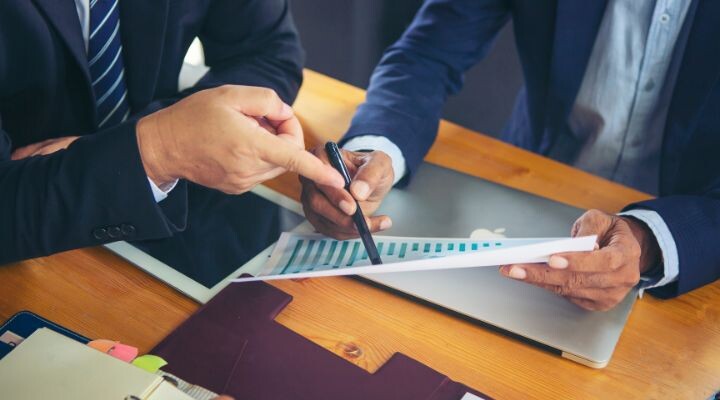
pixel 336 160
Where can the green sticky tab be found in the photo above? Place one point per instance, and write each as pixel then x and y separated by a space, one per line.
pixel 149 363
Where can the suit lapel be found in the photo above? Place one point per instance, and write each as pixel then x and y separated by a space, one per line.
pixel 576 27
pixel 142 25
pixel 699 73
pixel 63 16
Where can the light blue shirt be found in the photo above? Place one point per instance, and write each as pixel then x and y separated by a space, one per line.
pixel 622 104
pixel 620 111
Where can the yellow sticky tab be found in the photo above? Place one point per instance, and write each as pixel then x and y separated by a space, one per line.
pixel 149 363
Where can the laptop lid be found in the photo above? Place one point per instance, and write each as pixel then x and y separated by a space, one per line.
pixel 443 203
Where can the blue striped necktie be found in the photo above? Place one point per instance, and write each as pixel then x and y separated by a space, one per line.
pixel 106 63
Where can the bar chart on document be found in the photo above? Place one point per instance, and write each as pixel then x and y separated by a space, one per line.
pixel 311 252
pixel 312 255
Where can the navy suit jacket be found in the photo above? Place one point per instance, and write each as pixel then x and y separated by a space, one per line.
pixel 554 40
pixel 96 191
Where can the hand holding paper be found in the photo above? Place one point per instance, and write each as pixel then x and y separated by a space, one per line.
pixel 312 255
pixel 601 279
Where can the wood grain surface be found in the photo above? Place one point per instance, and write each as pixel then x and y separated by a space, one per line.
pixel 669 349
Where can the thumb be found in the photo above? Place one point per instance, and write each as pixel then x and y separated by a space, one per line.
pixel 372 173
pixel 593 222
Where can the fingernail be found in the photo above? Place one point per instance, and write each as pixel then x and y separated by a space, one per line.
pixel 517 273
pixel 347 207
pixel 361 190
pixel 287 110
pixel 558 262
pixel 385 224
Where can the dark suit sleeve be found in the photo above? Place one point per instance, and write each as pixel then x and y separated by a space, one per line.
pixel 250 43
pixel 416 74
pixel 694 222
pixel 261 50
pixel 93 193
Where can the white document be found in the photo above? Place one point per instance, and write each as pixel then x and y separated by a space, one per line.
pixel 312 255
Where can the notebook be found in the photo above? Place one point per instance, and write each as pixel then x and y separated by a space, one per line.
pixel 49 365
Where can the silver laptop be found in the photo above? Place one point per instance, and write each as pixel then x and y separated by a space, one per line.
pixel 438 203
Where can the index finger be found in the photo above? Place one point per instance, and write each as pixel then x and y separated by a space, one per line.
pixel 605 259
pixel 540 274
pixel 287 155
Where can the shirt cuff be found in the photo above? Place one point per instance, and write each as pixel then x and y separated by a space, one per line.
pixel 161 194
pixel 373 142
pixel 671 263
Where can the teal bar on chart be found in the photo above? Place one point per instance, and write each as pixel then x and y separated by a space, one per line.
pixel 297 248
pixel 333 246
pixel 353 254
pixel 341 256
pixel 391 249
pixel 403 248
pixel 308 252
pixel 321 247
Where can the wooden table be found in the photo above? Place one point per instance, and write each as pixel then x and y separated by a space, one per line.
pixel 669 349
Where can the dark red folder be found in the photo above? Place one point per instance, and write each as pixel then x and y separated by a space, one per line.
pixel 232 345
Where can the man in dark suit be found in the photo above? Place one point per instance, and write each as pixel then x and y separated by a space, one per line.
pixel 96 141
pixel 628 90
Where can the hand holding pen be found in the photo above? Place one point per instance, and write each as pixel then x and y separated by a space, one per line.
pixel 330 210
pixel 337 161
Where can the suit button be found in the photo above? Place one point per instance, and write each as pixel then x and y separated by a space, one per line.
pixel 127 230
pixel 114 232
pixel 100 233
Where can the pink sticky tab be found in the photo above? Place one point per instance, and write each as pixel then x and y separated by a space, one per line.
pixel 124 352
pixel 102 345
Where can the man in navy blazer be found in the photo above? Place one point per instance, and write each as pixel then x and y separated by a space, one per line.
pixel 96 141
pixel 628 90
